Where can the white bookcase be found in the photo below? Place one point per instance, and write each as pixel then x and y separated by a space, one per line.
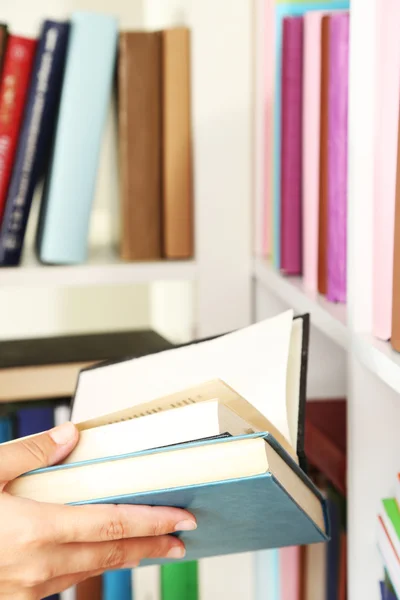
pixel 225 286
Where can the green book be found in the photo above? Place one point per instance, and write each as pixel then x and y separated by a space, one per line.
pixel 390 515
pixel 180 581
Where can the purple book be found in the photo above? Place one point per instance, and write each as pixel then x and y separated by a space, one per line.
pixel 337 156
pixel 291 144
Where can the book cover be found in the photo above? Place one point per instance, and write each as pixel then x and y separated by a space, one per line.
pixel 291 141
pixel 180 581
pixel 177 176
pixel 16 73
pixel 386 128
pixel 62 234
pixel 140 144
pixel 35 137
pixel 337 156
pixel 282 10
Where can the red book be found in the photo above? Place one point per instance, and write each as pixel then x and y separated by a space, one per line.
pixel 18 63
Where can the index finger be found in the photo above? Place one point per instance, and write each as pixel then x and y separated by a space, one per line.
pixel 101 523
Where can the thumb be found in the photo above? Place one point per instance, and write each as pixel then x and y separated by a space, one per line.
pixel 36 451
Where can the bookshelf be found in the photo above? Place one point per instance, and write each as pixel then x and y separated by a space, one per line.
pixel 231 287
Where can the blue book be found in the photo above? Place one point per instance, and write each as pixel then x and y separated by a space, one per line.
pixel 246 492
pixel 282 11
pixel 34 419
pixel 118 585
pixel 62 234
pixel 6 429
pixel 35 137
pixel 267 575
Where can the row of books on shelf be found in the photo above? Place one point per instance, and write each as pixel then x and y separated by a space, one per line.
pixel 55 92
pixel 389 543
pixel 305 203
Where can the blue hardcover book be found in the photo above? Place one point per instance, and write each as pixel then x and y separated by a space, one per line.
pixel 246 492
pixel 6 429
pixel 35 137
pixel 34 419
pixel 287 10
pixel 86 91
pixel 117 585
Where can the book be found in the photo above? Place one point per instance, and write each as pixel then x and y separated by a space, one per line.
pixel 90 589
pixel 389 556
pixel 48 367
pixel 117 584
pixel 177 176
pixel 139 120
pixel 337 156
pixel 267 574
pixel 290 573
pixel 35 137
pixel 6 428
pixel 291 140
pixel 4 33
pixel 388 591
pixel 390 515
pixel 16 73
pixel 326 439
pixel 62 233
pixel 180 581
pixel 147 583
pixel 34 419
pixel 387 99
pixel 310 146
pixel 323 213
pixel 315 572
pixel 395 334
pixel 215 476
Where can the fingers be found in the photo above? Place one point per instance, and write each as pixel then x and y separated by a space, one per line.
pixel 35 452
pixel 103 523
pixel 121 554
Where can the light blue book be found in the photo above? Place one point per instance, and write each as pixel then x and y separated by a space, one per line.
pixel 246 492
pixel 117 585
pixel 62 235
pixel 282 11
pixel 267 575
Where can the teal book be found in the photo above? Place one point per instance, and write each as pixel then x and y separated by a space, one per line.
pixel 282 11
pixel 180 581
pixel 117 585
pixel 6 428
pixel 62 235
pixel 246 492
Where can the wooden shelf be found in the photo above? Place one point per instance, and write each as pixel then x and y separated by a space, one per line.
pixel 104 267
pixel 329 318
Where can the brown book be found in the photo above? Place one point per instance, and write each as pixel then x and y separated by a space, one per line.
pixel 177 144
pixel 395 339
pixel 323 162
pixel 90 589
pixel 139 118
pixel 3 43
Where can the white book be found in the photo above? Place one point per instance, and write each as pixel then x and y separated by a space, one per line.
pixel 146 583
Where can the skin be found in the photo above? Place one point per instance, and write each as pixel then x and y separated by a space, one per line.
pixel 47 548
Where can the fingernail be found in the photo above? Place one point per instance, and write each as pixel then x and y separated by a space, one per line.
pixel 176 552
pixel 63 434
pixel 186 526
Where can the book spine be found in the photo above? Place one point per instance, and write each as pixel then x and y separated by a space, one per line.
pixel 32 420
pixel 6 429
pixel 386 120
pixel 177 145
pixel 90 589
pixel 323 160
pixel 35 137
pixel 179 581
pixel 3 44
pixel 292 76
pixel 146 583
pixel 69 190
pixel 310 146
pixel 337 156
pixel 16 74
pixel 117 584
pixel 139 87
pixel 395 337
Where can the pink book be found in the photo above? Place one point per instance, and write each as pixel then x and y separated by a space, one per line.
pixel 290 564
pixel 337 156
pixel 269 93
pixel 311 142
pixel 291 145
pixel 387 111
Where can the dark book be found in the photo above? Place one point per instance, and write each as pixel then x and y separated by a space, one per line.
pixel 34 419
pixel 90 589
pixel 139 119
pixel 325 439
pixel 48 367
pixel 3 43
pixel 35 137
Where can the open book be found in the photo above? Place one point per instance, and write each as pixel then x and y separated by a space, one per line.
pixel 216 426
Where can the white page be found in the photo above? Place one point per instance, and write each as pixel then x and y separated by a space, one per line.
pixel 253 361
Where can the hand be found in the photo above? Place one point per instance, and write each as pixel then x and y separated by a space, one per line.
pixel 46 548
